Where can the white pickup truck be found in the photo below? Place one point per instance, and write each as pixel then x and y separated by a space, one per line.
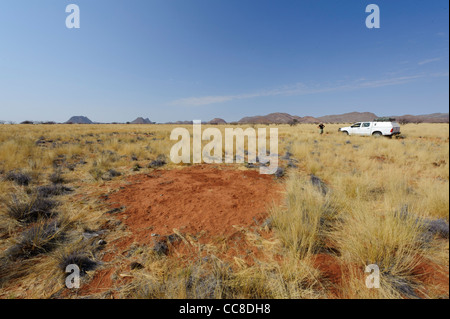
pixel 379 127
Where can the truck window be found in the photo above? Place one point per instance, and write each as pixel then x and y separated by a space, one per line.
pixel 356 125
pixel 366 124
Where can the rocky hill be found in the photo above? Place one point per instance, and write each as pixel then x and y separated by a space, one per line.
pixel 426 118
pixel 217 121
pixel 285 118
pixel 278 118
pixel 79 120
pixel 348 117
pixel 141 120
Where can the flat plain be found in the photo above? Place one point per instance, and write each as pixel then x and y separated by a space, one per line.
pixel 108 199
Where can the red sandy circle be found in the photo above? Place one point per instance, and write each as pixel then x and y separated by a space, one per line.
pixel 204 201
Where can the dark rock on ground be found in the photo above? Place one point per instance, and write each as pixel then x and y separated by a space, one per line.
pixel 251 165
pixel 173 238
pixel 101 242
pixel 437 227
pixel 267 223
pixel 280 172
pixel 115 210
pixel 160 161
pixel 88 234
pixel 161 248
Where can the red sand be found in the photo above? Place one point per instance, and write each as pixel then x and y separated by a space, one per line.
pixel 435 278
pixel 204 201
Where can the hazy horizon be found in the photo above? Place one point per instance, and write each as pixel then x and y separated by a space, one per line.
pixel 207 120
pixel 198 59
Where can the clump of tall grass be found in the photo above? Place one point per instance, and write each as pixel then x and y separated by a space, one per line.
pixel 303 222
pixel 30 208
pixel 40 238
pixel 57 177
pixel 20 178
pixel 53 190
pixel 79 258
pixel 392 240
pixel 212 278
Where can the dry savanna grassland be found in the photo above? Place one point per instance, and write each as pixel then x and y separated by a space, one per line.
pixel 108 199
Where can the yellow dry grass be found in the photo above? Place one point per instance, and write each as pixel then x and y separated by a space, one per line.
pixel 380 192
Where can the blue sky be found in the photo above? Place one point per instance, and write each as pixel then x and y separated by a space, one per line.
pixel 199 59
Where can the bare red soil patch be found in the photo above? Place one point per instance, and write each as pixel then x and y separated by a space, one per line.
pixel 331 271
pixel 434 277
pixel 203 201
pixel 330 268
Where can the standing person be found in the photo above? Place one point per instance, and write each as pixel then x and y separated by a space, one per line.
pixel 321 127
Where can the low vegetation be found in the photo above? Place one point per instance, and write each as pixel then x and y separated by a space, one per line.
pixel 348 202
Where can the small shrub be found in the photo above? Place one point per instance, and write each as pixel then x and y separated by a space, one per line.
pixel 57 177
pixel 30 209
pixel 39 239
pixel 53 190
pixel 96 173
pixel 22 179
pixel 79 258
pixel 160 161
pixel 109 175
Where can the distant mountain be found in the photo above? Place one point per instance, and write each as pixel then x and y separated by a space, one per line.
pixel 280 118
pixel 426 118
pixel 141 120
pixel 309 120
pixel 285 118
pixel 79 120
pixel 277 118
pixel 217 121
pixel 348 117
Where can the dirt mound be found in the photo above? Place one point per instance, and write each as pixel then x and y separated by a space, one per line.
pixel 203 201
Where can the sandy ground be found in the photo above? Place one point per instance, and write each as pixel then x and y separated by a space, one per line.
pixel 203 201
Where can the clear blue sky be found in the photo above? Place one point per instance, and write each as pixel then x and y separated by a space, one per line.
pixel 199 59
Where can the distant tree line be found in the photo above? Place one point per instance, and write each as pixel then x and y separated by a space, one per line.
pixel 37 122
pixel 403 121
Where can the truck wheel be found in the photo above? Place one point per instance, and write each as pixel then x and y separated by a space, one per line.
pixel 377 134
pixel 345 132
